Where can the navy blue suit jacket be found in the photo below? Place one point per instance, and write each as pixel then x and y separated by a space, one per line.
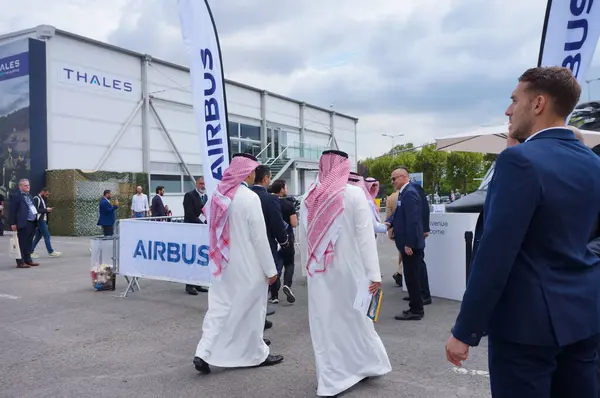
pixel 158 207
pixel 106 213
pixel 408 220
pixel 18 210
pixel 424 206
pixel 533 281
pixel 276 231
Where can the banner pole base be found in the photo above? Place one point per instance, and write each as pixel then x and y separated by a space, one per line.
pixel 131 285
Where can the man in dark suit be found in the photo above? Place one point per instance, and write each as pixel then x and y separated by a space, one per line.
pixel 158 207
pixel 23 220
pixel 423 276
pixel 193 203
pixel 407 222
pixel 106 213
pixel 276 227
pixel 533 286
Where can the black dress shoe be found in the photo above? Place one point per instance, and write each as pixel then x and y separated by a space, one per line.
pixel 409 316
pixel 270 312
pixel 189 289
pixel 398 279
pixel 201 366
pixel 267 341
pixel 268 324
pixel 272 360
pixel 201 289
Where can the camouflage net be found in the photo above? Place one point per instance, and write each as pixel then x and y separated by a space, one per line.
pixel 75 194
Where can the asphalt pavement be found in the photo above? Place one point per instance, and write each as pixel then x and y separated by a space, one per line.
pixel 59 338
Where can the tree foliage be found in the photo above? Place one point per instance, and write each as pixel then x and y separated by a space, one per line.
pixel 447 170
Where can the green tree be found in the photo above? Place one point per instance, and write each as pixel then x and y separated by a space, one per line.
pixel 432 163
pixel 446 170
pixel 462 170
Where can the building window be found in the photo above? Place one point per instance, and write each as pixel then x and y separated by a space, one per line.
pixel 252 148
pixel 250 132
pixel 172 183
pixel 234 146
pixel 233 129
pixel 188 185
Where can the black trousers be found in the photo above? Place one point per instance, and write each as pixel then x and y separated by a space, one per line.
pixel 287 257
pixel 274 288
pixel 108 230
pixel 412 275
pixel 25 236
pixel 424 277
pixel 524 371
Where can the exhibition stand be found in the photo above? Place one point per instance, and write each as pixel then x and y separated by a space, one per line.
pixel 448 252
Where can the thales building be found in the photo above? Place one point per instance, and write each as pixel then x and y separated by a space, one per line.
pixel 81 116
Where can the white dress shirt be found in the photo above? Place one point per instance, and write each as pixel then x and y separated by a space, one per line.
pixel 139 203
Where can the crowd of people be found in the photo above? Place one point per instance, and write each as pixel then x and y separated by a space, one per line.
pixel 534 283
pixel 533 289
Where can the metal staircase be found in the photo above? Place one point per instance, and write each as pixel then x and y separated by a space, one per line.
pixel 279 164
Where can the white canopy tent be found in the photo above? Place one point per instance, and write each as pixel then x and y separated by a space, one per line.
pixel 492 139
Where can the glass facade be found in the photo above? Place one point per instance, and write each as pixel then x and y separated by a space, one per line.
pixel 244 138
pixel 172 183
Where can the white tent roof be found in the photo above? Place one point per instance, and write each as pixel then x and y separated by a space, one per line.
pixel 493 140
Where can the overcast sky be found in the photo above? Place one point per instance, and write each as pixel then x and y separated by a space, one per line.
pixel 422 68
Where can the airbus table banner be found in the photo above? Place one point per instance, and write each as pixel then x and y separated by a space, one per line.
pixel 208 89
pixel 173 252
pixel 570 35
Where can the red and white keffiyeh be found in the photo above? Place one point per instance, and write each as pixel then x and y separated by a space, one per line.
pixel 324 204
pixel 372 186
pixel 358 181
pixel 239 168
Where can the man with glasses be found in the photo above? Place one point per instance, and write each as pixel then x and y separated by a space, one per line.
pixel 23 221
pixel 407 224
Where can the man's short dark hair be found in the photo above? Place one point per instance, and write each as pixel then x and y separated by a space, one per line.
pixel 261 172
pixel 106 192
pixel 44 189
pixel 556 82
pixel 159 188
pixel 278 186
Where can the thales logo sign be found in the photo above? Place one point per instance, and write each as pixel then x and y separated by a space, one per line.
pixel 9 66
pixel 13 66
pixel 98 80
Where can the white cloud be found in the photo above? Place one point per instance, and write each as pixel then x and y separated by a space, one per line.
pixel 424 68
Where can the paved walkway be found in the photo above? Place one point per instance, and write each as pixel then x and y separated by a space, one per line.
pixel 59 339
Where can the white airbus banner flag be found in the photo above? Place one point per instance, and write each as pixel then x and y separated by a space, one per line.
pixel 208 89
pixel 570 35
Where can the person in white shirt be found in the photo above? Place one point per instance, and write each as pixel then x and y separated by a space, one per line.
pixel 40 203
pixel 338 249
pixel 139 204
pixel 242 267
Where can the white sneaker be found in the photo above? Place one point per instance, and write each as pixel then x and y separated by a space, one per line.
pixel 289 294
pixel 35 255
pixel 274 301
pixel 55 254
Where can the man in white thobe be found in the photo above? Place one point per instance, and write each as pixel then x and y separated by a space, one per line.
pixel 242 268
pixel 337 246
pixel 358 181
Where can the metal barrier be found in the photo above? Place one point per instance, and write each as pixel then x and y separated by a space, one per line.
pixel 133 283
